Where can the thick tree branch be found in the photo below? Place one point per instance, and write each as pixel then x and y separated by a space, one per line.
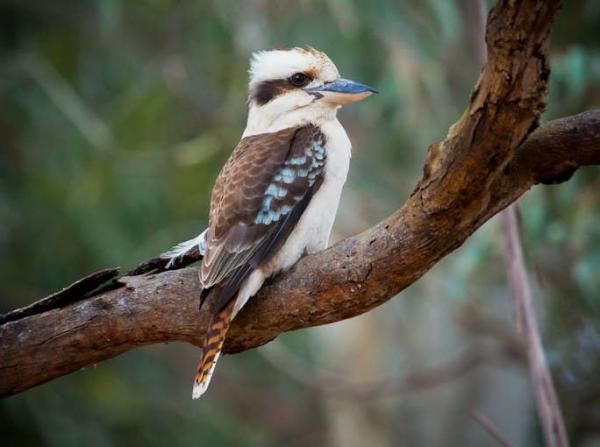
pixel 549 411
pixel 479 169
pixel 346 280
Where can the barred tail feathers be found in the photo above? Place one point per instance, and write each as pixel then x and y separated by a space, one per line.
pixel 213 343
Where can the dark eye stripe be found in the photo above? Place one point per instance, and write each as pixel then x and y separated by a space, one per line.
pixel 268 90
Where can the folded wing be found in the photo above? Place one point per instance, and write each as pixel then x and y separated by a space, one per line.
pixel 258 198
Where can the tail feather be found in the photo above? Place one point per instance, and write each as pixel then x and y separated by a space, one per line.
pixel 180 250
pixel 213 343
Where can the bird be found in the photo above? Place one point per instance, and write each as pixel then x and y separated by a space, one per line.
pixel 277 195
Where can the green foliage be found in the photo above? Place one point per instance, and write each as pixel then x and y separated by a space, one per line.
pixel 115 118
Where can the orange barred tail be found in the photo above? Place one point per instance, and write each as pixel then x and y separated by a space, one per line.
pixel 213 343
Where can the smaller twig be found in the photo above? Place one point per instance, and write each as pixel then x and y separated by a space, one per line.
pixel 489 427
pixel 545 395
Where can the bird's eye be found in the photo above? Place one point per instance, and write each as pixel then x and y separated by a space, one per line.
pixel 299 80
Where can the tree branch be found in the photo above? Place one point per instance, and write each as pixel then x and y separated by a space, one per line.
pixel 549 411
pixel 479 169
pixel 489 426
pixel 548 406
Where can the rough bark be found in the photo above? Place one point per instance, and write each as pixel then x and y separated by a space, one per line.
pixel 485 163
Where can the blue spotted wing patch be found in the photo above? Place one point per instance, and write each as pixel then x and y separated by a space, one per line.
pixel 291 182
pixel 258 198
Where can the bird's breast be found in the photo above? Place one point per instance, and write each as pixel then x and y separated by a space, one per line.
pixel 311 234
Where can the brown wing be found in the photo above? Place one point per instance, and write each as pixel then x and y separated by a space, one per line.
pixel 259 196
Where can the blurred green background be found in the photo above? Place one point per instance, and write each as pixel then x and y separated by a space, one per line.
pixel 115 117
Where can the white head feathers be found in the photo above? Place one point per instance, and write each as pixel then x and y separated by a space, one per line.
pixel 275 102
pixel 281 64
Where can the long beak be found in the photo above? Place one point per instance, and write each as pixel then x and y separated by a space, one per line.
pixel 343 91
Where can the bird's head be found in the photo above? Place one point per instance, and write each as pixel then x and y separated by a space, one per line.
pixel 293 86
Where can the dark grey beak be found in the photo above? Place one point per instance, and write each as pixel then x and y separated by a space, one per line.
pixel 341 91
pixel 342 85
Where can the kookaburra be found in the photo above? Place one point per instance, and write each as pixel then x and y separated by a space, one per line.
pixel 277 196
